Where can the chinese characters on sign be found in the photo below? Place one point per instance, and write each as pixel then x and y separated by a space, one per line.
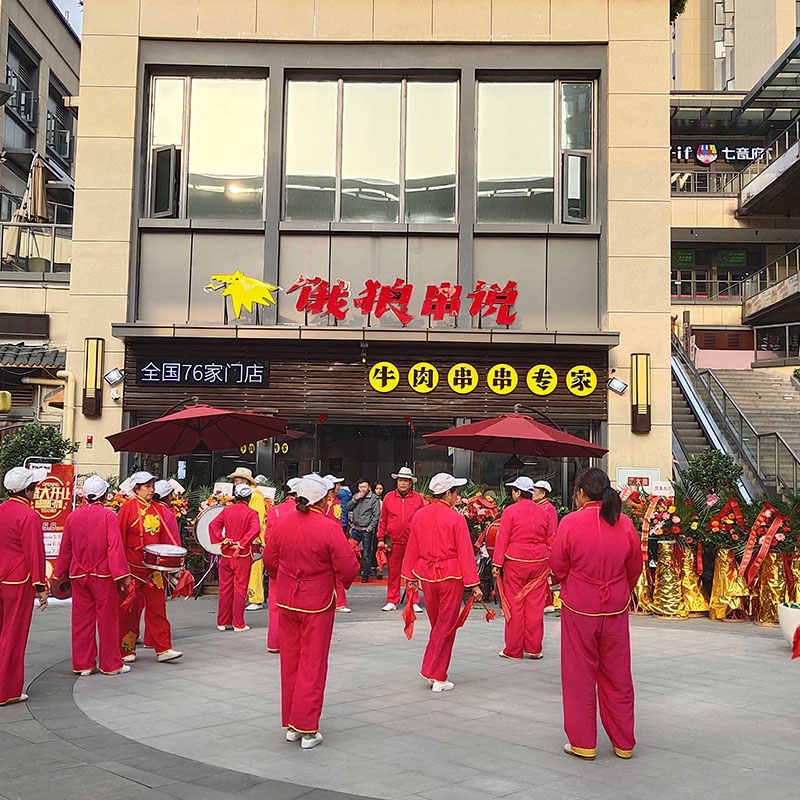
pixel 317 296
pixel 463 378
pixel 159 372
pixel 708 153
pixel 52 501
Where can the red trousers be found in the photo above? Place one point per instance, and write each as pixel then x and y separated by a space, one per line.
pixel 443 604
pixel 341 595
pixel 95 612
pixel 596 666
pixel 305 645
pixel 525 629
pixel 16 611
pixel 273 634
pixel 234 578
pixel 395 564
pixel 153 601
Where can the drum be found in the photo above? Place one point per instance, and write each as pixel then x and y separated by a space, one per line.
pixel 258 551
pixel 164 557
pixel 201 533
pixel 62 589
pixel 491 536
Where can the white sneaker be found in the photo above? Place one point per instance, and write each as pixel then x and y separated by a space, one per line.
pixel 442 686
pixel 254 607
pixel 417 608
pixel 121 671
pixel 389 607
pixel 169 655
pixel 222 627
pixel 549 609
pixel 130 658
pixel 241 630
pixel 311 740
pixel 292 735
pixel 85 673
pixel 344 610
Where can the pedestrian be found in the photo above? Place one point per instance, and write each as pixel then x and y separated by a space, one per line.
pixel 333 510
pixel 93 558
pixel 597 556
pixel 22 577
pixel 440 555
pixel 142 523
pixel 365 509
pixel 521 554
pixel 379 490
pixel 344 496
pixel 236 528
pixel 397 511
pixel 541 496
pixel 255 586
pixel 307 556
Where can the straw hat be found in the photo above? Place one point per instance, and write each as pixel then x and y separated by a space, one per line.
pixel 404 472
pixel 243 472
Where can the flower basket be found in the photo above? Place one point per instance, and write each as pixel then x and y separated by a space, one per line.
pixel 693 596
pixel 770 590
pixel 667 594
pixel 730 597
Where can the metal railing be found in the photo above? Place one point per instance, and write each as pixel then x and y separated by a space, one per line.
pixel 780 269
pixel 772 342
pixel 785 139
pixel 698 181
pixel 35 247
pixel 768 457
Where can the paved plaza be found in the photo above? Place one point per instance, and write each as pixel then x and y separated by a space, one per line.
pixel 718 716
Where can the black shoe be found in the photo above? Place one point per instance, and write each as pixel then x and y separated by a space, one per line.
pixel 365 579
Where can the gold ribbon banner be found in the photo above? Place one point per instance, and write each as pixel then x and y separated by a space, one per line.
pixel 667 597
pixel 642 596
pixel 770 590
pixel 694 598
pixel 793 578
pixel 730 597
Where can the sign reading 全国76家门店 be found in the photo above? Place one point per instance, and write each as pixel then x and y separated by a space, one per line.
pixel 202 372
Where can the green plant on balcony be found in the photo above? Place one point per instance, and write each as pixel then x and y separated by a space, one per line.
pixel 676 8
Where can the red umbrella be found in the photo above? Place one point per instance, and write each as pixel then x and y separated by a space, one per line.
pixel 518 434
pixel 180 433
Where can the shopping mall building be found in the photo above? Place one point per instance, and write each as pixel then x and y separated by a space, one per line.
pixel 449 208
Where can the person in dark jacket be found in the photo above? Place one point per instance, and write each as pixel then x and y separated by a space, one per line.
pixel 365 509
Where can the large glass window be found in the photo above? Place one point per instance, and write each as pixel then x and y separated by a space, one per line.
pixel 207 141
pixel 516 156
pixel 358 151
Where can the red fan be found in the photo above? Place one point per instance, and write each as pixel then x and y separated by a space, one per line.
pixel 381 558
pixel 503 602
pixel 409 617
pixel 185 587
pixel 462 617
pixel 130 598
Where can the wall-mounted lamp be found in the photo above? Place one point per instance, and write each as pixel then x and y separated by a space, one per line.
pixel 364 348
pixel 113 376
pixel 115 396
pixel 617 385
pixel 640 392
pixel 93 351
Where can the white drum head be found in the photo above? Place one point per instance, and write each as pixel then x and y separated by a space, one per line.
pixel 166 549
pixel 201 529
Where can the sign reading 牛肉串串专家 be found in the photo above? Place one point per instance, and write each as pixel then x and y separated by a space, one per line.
pixel 170 372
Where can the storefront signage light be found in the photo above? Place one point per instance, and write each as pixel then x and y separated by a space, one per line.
pixel 708 152
pixel 318 296
pixel 463 378
pixel 160 372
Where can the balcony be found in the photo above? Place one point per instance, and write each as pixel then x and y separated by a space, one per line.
pixel 23 101
pixel 703 182
pixel 32 251
pixel 773 293
pixel 59 138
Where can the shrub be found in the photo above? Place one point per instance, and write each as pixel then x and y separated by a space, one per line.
pixel 43 441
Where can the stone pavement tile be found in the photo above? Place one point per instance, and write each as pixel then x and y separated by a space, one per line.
pixel 189 791
pixel 139 776
pixel 74 783
pixel 408 782
pixel 229 781
pixel 28 730
pixel 274 790
pixel 494 785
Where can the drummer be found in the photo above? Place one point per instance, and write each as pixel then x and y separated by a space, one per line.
pixel 242 476
pixel 236 528
pixel 162 496
pixel 142 523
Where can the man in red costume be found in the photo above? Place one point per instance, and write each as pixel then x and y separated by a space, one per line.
pixel 236 528
pixel 273 515
pixel 521 553
pixel 397 512
pixel 440 555
pixel 22 577
pixel 307 556
pixel 93 558
pixel 141 523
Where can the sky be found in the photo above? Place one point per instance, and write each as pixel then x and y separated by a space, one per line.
pixel 73 8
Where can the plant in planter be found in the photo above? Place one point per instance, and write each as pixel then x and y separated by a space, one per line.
pixel 42 441
pixel 714 473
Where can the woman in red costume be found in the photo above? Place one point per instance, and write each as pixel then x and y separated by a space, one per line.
pixel 93 558
pixel 141 523
pixel 22 577
pixel 597 557
pixel 440 555
pixel 521 554
pixel 236 528
pixel 306 555
pixel 333 510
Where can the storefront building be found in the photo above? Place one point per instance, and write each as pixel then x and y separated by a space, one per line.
pixel 377 219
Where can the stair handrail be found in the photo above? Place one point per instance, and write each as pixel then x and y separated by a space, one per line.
pixel 758 461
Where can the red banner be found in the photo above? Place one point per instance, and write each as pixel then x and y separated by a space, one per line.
pixel 52 502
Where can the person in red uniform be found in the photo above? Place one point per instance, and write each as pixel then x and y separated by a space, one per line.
pixel 273 515
pixel 333 510
pixel 521 555
pixel 93 558
pixel 141 523
pixel 22 577
pixel 597 556
pixel 236 528
pixel 162 495
pixel 440 555
pixel 397 512
pixel 307 556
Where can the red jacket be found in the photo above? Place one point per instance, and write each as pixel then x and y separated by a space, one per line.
pixel 141 524
pixel 524 534
pixel 241 525
pixel 552 517
pixel 396 514
pixel 92 545
pixel 307 555
pixel 439 547
pixel 598 564
pixel 276 512
pixel 22 558
pixel 168 515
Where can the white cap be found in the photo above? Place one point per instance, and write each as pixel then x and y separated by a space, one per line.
pixel 141 477
pixel 329 484
pixel 163 488
pixel 404 472
pixel 94 487
pixel 522 483
pixel 18 479
pixel 312 487
pixel 543 485
pixel 292 484
pixel 242 490
pixel 333 479
pixel 443 481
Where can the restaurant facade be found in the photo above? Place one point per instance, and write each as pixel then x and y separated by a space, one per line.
pixel 376 219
